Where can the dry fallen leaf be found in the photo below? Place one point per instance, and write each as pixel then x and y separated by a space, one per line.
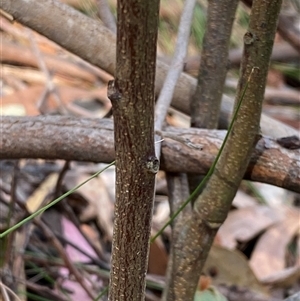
pixel 268 256
pixel 100 206
pixel 244 224
pixel 37 198
pixel 231 267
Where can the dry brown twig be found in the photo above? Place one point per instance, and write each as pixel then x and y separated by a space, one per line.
pixel 72 268
pixel 50 86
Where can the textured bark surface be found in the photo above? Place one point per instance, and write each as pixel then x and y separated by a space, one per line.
pixel 69 138
pixel 132 97
pixel 206 102
pixel 211 208
pixel 97 45
pixel 205 107
pixel 178 192
pixel 287 26
pixel 69 28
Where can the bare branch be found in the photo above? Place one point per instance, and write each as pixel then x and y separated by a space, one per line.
pixel 206 101
pixel 68 138
pixel 286 26
pixel 178 191
pixel 16 54
pixel 106 15
pixel 72 268
pixel 96 44
pixel 132 98
pixel 212 206
pixel 282 52
pixel 50 87
pixel 69 28
pixel 167 91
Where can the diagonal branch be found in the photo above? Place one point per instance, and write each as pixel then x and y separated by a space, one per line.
pixel 166 94
pixel 91 41
pixel 212 206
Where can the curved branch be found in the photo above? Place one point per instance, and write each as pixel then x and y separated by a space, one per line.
pixel 56 137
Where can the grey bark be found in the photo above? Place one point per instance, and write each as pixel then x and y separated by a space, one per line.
pixel 69 138
pixel 212 206
pixel 93 42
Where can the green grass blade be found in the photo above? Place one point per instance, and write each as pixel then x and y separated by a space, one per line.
pixel 105 290
pixel 211 170
pixel 33 215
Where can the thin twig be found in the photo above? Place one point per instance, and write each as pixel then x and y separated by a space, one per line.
pixel 166 94
pixel 61 176
pixel 99 262
pixel 41 210
pixel 6 15
pixel 50 86
pixel 9 253
pixel 44 291
pixel 4 291
pixel 164 101
pixel 72 268
pixel 72 216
